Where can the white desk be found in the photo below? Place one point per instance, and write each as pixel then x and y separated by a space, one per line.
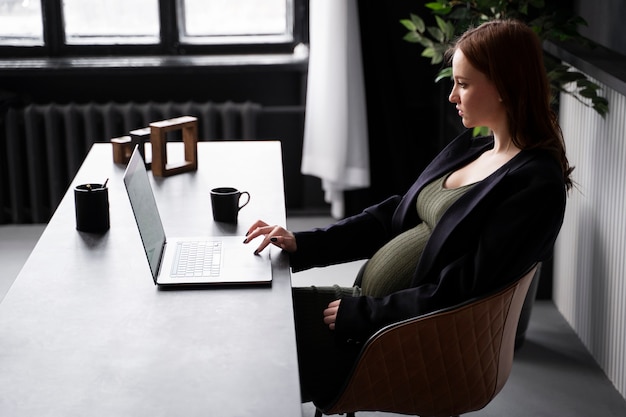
pixel 84 331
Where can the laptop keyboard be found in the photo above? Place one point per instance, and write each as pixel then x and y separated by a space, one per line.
pixel 197 259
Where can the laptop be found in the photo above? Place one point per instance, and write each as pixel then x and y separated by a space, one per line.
pixel 189 261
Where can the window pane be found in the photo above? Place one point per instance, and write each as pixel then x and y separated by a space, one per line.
pixel 21 22
pixel 236 17
pixel 111 21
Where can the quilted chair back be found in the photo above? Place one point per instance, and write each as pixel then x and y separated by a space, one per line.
pixel 445 363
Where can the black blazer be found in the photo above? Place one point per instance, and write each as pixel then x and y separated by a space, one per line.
pixel 490 236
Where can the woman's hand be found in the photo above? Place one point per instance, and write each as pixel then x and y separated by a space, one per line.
pixel 330 314
pixel 275 235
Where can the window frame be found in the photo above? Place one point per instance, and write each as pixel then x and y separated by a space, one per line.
pixel 170 42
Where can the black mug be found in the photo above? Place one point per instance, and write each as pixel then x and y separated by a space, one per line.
pixel 225 203
pixel 92 208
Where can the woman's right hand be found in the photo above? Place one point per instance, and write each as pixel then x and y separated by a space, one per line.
pixel 275 235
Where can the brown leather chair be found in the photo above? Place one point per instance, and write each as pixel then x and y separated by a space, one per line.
pixel 445 363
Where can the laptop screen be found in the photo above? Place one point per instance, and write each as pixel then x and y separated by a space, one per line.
pixel 145 209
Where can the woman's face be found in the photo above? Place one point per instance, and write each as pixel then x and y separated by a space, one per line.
pixel 476 97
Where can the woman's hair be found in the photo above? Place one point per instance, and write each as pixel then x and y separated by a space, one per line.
pixel 509 53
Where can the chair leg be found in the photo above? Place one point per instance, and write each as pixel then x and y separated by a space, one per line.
pixel 318 413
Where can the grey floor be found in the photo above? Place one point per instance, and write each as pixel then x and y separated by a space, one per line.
pixel 553 374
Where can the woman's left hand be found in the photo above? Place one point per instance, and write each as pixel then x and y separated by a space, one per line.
pixel 330 314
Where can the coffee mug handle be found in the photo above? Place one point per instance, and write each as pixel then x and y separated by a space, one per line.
pixel 247 201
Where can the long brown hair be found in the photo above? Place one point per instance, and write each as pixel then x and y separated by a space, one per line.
pixel 509 53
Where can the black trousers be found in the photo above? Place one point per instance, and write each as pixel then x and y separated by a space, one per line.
pixel 324 365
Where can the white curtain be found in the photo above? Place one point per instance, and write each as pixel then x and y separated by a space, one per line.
pixel 335 145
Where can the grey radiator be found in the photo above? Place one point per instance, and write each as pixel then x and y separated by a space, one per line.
pixel 44 145
pixel 590 256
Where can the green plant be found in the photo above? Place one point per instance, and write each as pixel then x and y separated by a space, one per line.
pixel 453 17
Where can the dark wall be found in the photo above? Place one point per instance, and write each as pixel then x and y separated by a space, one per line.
pixel 280 87
pixel 605 19
pixel 404 105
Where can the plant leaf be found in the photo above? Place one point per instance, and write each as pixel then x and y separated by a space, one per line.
pixel 413 37
pixel 602 107
pixel 428 52
pixel 443 74
pixel 446 27
pixel 460 14
pixel 480 131
pixel 441 24
pixel 588 92
pixel 418 22
pixel 586 83
pixel 433 53
pixel 570 76
pixel 426 43
pixel 408 24
pixel 439 8
pixel 436 33
pixel 434 6
pixel 437 59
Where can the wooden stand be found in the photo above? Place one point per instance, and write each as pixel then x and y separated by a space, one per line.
pixel 122 149
pixel 157 135
pixel 139 138
pixel 158 131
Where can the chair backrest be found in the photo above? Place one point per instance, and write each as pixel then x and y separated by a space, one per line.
pixel 444 363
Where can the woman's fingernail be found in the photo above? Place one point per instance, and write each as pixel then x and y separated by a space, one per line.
pixel 273 239
pixel 247 233
pixel 256 252
pixel 245 241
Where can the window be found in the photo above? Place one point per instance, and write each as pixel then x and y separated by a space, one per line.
pixel 21 22
pixel 111 22
pixel 220 19
pixel 171 27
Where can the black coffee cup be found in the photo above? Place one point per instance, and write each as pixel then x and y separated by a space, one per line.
pixel 92 208
pixel 225 202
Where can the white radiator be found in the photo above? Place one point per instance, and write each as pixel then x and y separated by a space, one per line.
pixel 44 145
pixel 590 257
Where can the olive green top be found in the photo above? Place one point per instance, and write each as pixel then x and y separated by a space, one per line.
pixel 392 266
